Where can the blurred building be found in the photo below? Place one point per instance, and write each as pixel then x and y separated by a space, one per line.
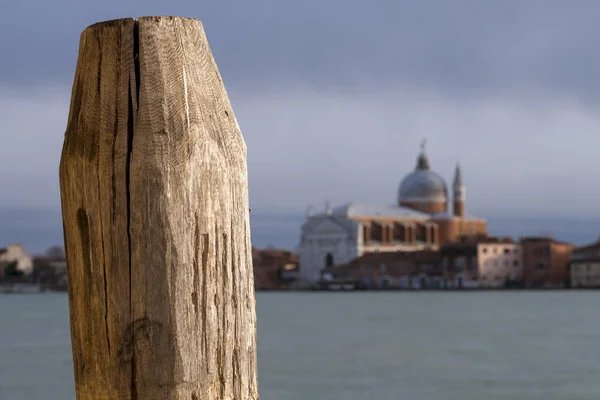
pixel 545 262
pixel 470 262
pixel 459 264
pixel 406 270
pixel 50 272
pixel 274 269
pixel 482 261
pixel 585 266
pixel 419 221
pixel 15 258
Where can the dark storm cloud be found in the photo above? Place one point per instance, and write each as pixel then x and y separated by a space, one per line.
pixel 334 97
pixel 459 48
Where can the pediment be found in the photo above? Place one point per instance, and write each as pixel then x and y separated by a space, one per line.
pixel 329 226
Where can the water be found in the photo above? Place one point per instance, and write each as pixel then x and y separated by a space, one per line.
pixel 355 346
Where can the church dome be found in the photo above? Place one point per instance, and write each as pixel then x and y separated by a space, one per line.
pixel 422 185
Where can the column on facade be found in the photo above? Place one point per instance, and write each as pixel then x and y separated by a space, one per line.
pixel 366 232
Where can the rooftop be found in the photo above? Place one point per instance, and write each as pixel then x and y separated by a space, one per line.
pixel 358 210
pixel 589 248
pixel 538 239
pixel 480 239
pixel 447 215
pixel 273 258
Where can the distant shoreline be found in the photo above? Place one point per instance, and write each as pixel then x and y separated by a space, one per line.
pixel 31 288
pixel 40 292
pixel 38 228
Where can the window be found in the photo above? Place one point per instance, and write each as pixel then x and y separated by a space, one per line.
pixel 516 263
pixel 495 250
pixel 329 260
pixel 506 251
pixel 474 264
pixel 484 250
pixel 460 263
pixel 540 265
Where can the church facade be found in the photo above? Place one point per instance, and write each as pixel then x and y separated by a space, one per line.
pixel 421 219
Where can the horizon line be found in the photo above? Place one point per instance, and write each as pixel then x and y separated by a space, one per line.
pixel 279 210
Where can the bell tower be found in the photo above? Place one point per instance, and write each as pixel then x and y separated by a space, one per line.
pixel 459 193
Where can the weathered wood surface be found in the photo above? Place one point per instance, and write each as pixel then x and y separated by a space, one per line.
pixel 155 208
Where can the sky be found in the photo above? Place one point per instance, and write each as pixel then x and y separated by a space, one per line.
pixel 334 97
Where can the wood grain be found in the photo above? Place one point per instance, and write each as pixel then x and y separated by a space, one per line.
pixel 154 195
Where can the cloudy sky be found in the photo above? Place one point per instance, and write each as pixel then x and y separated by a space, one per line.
pixel 333 97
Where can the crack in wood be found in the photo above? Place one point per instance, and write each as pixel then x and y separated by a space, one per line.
pixel 130 133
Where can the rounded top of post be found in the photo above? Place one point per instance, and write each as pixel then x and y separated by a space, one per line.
pixel 120 21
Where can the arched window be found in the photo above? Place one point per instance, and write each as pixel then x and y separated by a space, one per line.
pixel 329 260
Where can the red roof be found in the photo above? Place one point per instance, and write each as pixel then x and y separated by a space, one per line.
pixel 481 238
pixel 592 247
pixel 273 258
pixel 533 239
pixel 268 264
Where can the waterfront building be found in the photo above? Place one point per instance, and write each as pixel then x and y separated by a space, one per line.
pixel 419 220
pixel 273 268
pixel 400 270
pixel 459 264
pixel 545 262
pixel 488 262
pixel 585 266
pixel 470 262
pixel 50 272
pixel 15 254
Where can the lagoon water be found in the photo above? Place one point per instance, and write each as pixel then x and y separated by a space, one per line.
pixel 355 346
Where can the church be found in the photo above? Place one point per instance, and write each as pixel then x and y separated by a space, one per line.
pixel 420 220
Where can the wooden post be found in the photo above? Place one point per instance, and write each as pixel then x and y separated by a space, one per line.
pixel 154 196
